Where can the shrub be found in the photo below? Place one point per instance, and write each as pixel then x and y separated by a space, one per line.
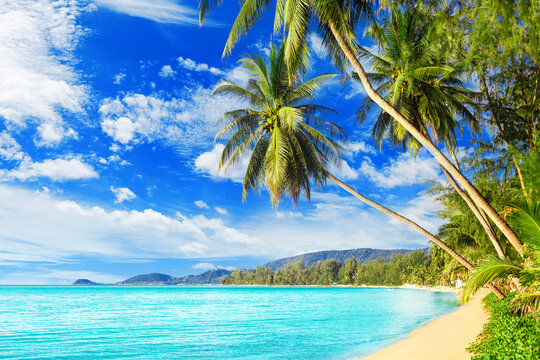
pixel 507 335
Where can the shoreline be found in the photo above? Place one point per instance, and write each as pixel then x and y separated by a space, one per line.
pixel 444 338
pixel 446 289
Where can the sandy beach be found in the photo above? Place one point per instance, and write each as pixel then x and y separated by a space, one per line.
pixel 445 338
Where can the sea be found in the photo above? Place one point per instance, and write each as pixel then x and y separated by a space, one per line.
pixel 209 322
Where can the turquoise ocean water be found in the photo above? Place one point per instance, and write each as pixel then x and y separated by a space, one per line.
pixel 196 322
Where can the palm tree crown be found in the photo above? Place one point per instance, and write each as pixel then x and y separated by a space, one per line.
pixel 290 144
pixel 409 70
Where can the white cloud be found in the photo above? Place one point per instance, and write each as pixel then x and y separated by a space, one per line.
pixel 122 129
pixel 355 147
pixel 288 214
pixel 422 210
pixel 401 171
pixel 220 210
pixel 162 11
pixel 343 171
pixel 37 80
pixel 204 266
pixel 182 123
pixel 9 148
pixel 238 75
pixel 167 72
pixel 208 162
pixel 54 169
pixel 355 88
pixel 42 227
pixel 192 65
pixel 122 194
pixel 209 266
pixel 317 45
pixel 201 204
pixel 119 78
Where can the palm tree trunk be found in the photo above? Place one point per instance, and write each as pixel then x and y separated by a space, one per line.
pixel 439 156
pixel 520 175
pixel 487 227
pixel 477 213
pixel 413 225
pixel 453 154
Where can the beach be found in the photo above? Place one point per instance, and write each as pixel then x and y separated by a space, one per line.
pixel 445 338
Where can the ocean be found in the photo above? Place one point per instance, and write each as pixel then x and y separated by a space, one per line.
pixel 209 322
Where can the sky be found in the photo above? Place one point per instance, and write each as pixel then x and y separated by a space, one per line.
pixel 108 165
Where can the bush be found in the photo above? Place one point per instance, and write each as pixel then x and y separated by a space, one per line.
pixel 507 335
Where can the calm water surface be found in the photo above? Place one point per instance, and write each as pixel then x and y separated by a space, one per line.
pixel 195 322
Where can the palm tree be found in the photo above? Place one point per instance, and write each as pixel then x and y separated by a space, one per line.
pixel 428 91
pixel 289 145
pixel 336 21
pixel 525 218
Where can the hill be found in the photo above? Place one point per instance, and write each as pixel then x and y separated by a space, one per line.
pixel 210 277
pixel 363 255
pixel 84 282
pixel 147 279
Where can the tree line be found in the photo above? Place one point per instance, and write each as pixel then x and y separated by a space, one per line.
pixel 416 268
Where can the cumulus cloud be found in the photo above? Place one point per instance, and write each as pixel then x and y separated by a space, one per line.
pixel 54 169
pixel 167 72
pixel 37 79
pixel 207 163
pixel 122 194
pixel 201 204
pixel 401 171
pixel 192 65
pixel 161 11
pixel 182 123
pixel 353 148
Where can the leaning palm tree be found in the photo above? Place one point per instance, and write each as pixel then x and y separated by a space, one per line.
pixel 423 87
pixel 336 21
pixel 288 144
pixel 525 217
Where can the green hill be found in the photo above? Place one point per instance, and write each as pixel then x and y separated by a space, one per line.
pixel 363 255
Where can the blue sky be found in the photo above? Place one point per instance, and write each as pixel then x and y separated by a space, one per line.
pixel 108 166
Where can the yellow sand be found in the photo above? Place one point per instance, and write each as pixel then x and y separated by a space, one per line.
pixel 445 338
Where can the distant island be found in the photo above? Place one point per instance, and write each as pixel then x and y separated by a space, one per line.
pixel 210 277
pixel 214 277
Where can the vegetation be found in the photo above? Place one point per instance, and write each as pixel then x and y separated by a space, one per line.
pixel 415 268
pixel 506 335
pixel 362 255
pixel 460 77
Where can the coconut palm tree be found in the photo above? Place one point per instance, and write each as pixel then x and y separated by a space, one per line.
pixel 425 89
pixel 525 218
pixel 289 145
pixel 336 21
